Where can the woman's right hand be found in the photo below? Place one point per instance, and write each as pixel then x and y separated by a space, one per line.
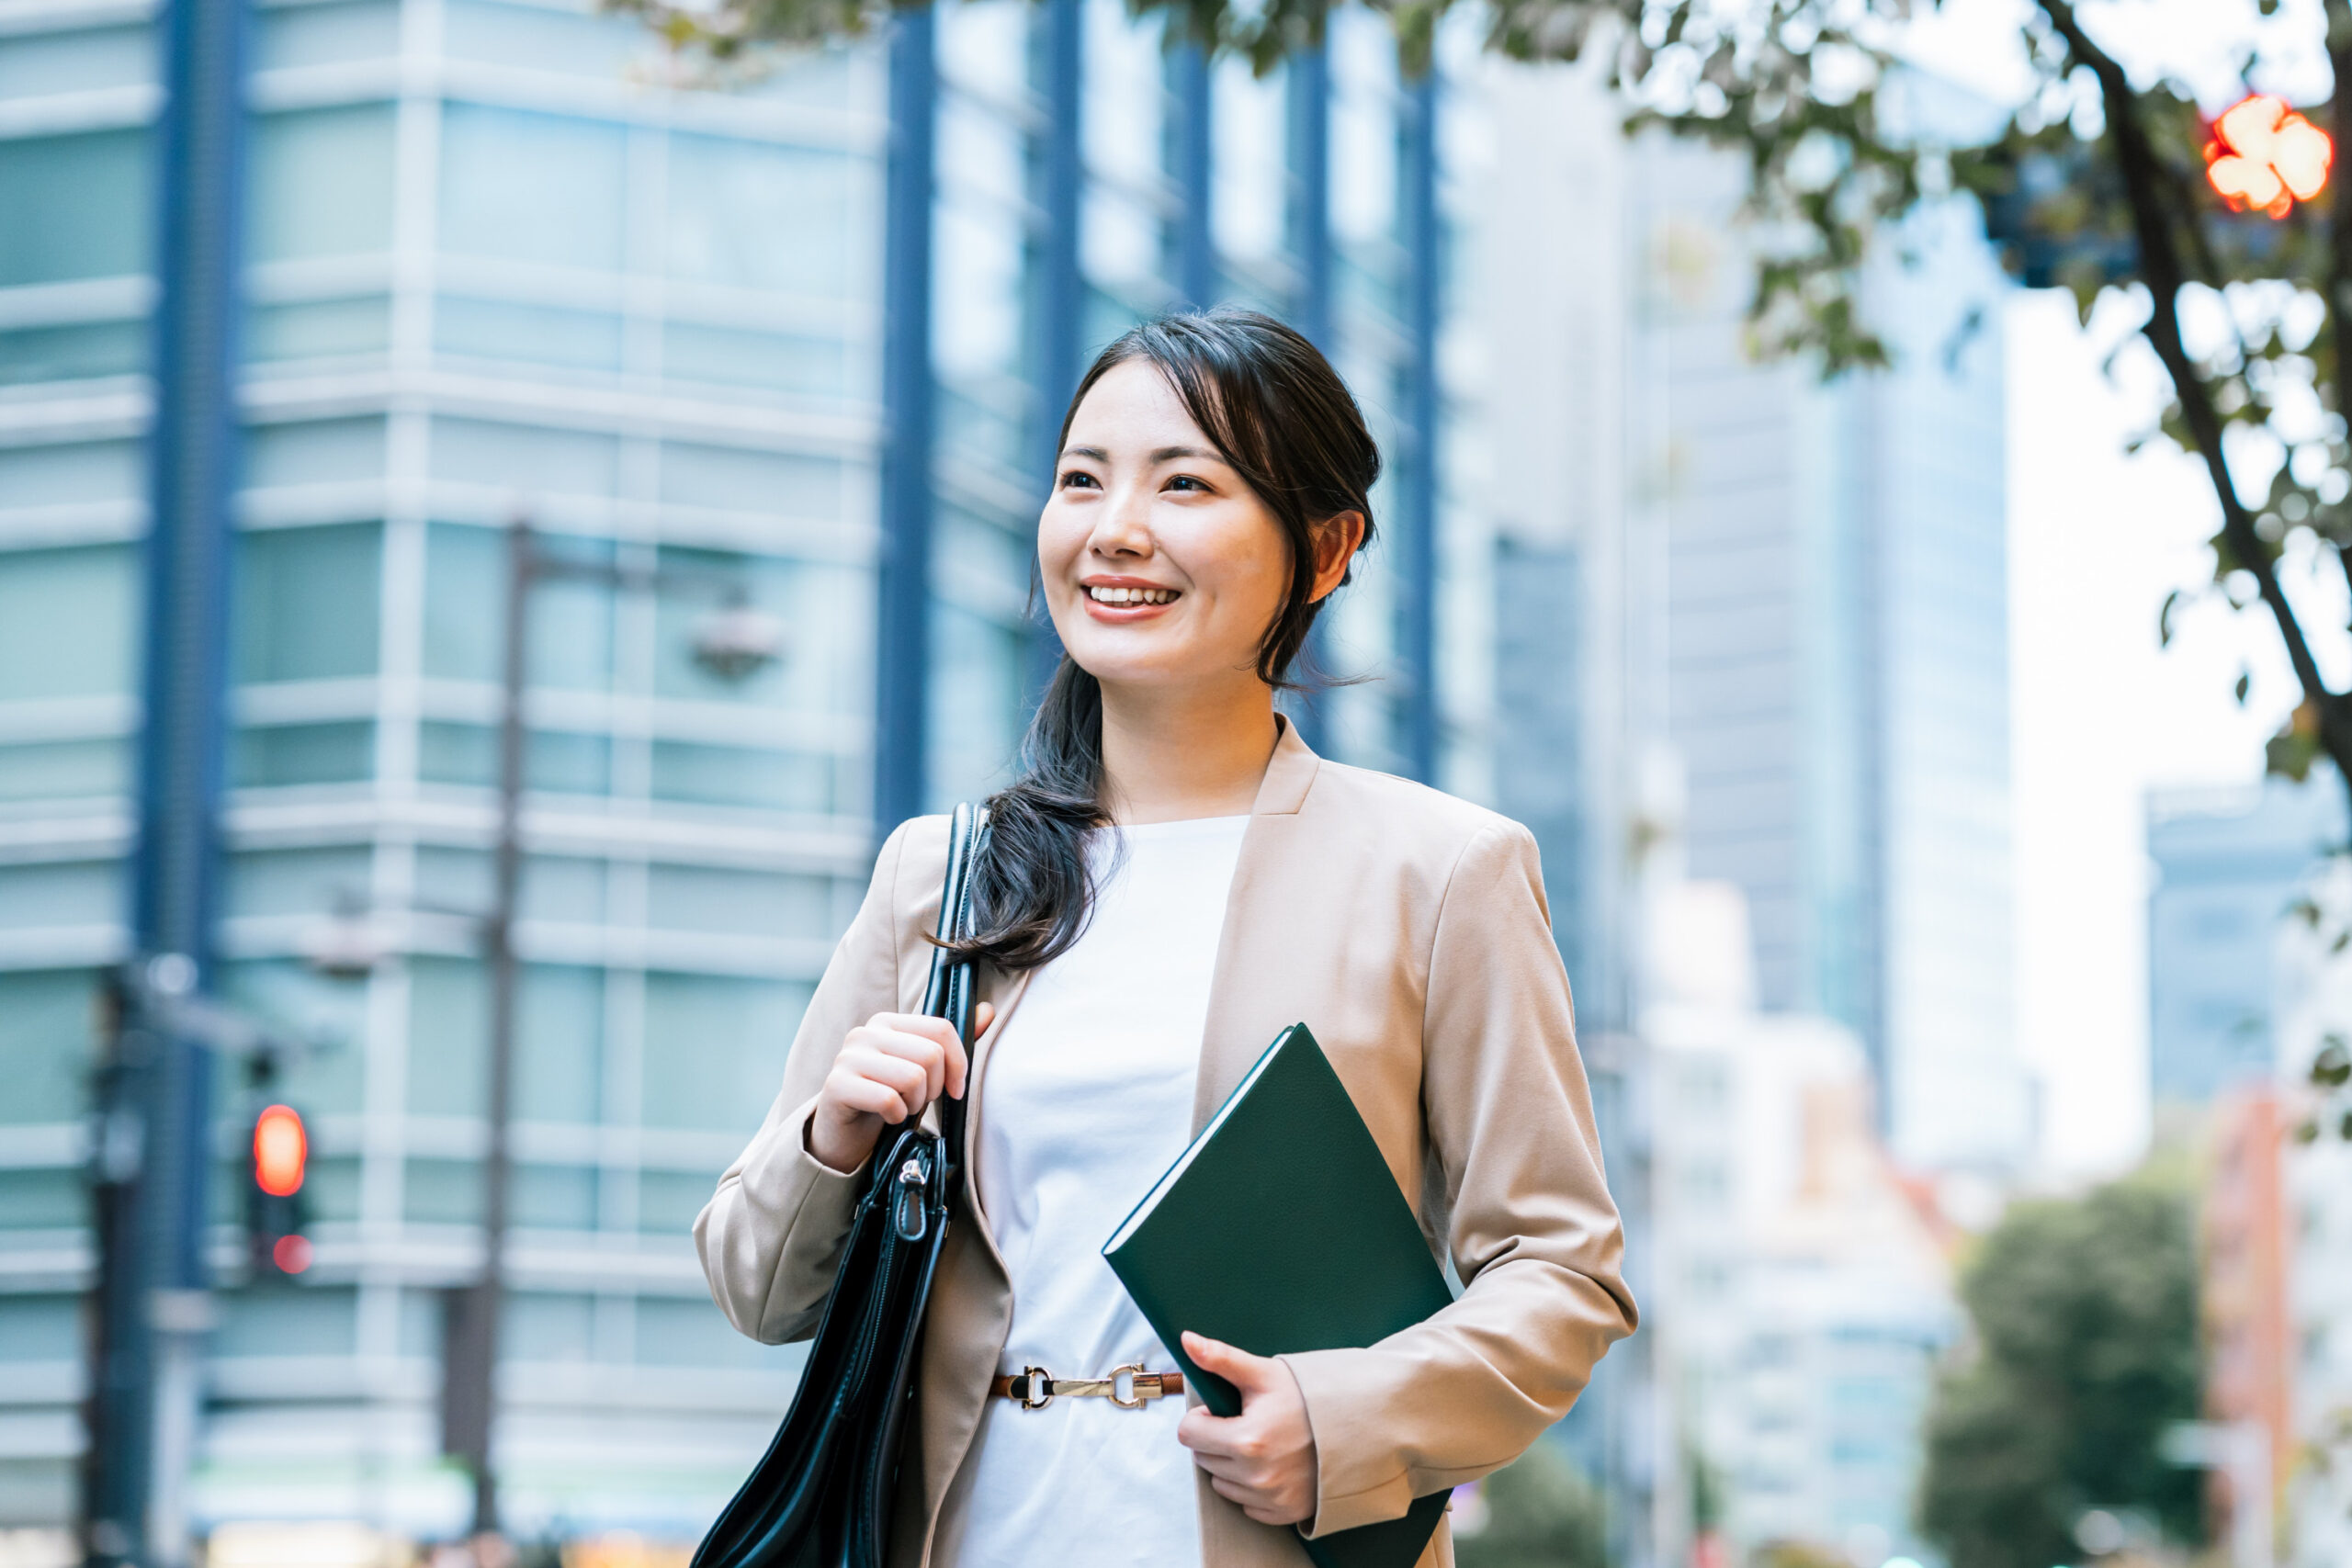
pixel 890 1067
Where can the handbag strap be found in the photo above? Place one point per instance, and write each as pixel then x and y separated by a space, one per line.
pixel 949 992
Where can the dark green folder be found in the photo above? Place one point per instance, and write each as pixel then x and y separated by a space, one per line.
pixel 1280 1229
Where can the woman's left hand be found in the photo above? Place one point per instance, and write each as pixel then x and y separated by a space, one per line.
pixel 1264 1458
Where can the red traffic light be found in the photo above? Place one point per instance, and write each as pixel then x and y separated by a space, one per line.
pixel 2262 154
pixel 281 1150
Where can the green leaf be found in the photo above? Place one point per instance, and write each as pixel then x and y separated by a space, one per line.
pixel 2332 1067
pixel 2164 619
pixel 2246 682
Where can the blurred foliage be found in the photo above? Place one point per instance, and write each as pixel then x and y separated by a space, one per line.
pixel 2085 1349
pixel 2331 1091
pixel 1541 1513
pixel 2326 1106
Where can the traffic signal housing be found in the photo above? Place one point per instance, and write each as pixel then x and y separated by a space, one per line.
pixel 275 1211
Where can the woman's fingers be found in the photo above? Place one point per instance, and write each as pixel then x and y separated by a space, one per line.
pixel 910 1080
pixel 1255 1503
pixel 1262 1459
pixel 921 1052
pixel 854 1092
pixel 1240 1368
pixel 919 1037
pixel 926 1040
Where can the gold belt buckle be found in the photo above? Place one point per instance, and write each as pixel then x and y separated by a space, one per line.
pixel 1032 1379
pixel 1037 1387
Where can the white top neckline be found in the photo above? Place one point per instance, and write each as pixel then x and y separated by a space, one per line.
pixel 1173 828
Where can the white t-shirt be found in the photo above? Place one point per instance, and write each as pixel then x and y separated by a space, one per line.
pixel 1087 1099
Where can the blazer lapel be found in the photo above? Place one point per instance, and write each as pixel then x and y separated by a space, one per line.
pixel 1250 955
pixel 1009 992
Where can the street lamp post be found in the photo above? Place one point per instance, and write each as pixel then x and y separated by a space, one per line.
pixel 734 643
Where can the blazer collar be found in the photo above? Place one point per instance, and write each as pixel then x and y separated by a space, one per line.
pixel 1289 773
pixel 1252 955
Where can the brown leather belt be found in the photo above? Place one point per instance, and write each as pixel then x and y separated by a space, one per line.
pixel 1035 1387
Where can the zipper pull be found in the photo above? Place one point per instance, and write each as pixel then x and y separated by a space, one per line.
pixel 907 1214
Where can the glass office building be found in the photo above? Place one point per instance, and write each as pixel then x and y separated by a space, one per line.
pixel 1834 557
pixel 2228 865
pixel 512 258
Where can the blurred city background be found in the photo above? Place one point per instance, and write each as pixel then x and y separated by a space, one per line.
pixel 500 511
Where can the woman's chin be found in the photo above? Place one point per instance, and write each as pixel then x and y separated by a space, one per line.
pixel 1118 658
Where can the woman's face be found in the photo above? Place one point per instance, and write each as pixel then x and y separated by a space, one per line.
pixel 1160 566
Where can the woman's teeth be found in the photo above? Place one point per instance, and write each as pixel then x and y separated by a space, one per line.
pixel 1131 595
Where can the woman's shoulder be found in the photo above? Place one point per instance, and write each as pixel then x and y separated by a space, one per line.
pixel 908 869
pixel 1410 820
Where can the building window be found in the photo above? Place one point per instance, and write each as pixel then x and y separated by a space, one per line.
pixel 307 602
pixel 45 1038
pixel 77 207
pixel 714 1048
pixel 533 188
pixel 322 184
pixel 66 622
pixel 780 218
pixel 40 64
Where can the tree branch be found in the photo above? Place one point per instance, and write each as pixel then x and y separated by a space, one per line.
pixel 2160 261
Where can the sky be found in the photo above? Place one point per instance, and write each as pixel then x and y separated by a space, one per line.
pixel 2101 714
pixel 2098 537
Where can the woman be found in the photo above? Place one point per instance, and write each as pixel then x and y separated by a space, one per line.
pixel 1175 878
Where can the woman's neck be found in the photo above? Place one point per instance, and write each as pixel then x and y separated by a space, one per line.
pixel 1174 756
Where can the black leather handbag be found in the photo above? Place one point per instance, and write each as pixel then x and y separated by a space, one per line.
pixel 821 1495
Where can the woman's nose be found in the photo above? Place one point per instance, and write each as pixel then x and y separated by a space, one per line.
pixel 1122 528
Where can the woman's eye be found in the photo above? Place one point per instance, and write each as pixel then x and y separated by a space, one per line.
pixel 1186 481
pixel 1078 479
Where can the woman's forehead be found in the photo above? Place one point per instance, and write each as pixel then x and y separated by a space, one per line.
pixel 1134 411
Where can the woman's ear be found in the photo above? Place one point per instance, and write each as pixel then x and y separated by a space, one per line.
pixel 1337 539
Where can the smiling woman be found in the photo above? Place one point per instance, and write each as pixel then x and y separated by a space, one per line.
pixel 1175 877
pixel 1213 458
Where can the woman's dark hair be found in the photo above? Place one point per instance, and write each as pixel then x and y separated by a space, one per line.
pixel 1281 416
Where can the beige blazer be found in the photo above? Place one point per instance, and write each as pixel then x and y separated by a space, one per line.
pixel 1408 930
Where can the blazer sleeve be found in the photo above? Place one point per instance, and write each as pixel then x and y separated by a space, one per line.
pixel 771 1237
pixel 1531 1226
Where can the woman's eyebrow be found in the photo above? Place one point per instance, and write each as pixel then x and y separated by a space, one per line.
pixel 1170 454
pixel 1096 453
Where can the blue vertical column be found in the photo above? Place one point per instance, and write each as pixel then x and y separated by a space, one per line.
pixel 156 1112
pixel 1061 293
pixel 1310 162
pixel 1418 481
pixel 1310 167
pixel 1311 309
pixel 1196 268
pixel 1060 298
pixel 902 655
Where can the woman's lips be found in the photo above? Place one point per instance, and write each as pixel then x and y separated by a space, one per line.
pixel 1122 602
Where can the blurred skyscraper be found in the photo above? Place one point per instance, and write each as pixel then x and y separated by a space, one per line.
pixel 1750 629
pixel 2229 864
pixel 1834 562
pixel 501 258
